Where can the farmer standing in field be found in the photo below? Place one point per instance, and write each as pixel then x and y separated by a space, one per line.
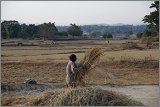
pixel 71 71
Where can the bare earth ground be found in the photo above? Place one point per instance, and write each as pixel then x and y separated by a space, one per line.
pixel 147 94
pixel 136 68
pixel 55 72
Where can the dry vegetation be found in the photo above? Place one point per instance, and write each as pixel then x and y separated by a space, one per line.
pixel 75 97
pixel 91 57
pixel 123 63
pixel 48 63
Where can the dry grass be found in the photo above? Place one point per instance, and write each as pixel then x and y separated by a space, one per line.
pixel 148 40
pixel 61 51
pixel 126 59
pixel 136 54
pixel 12 101
pixel 48 63
pixel 129 61
pixel 91 57
pixel 81 97
pixel 41 72
pixel 131 45
pixel 127 72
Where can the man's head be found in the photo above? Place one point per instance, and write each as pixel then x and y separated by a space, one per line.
pixel 73 57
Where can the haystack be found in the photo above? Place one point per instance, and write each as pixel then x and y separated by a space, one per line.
pixel 90 59
pixel 82 97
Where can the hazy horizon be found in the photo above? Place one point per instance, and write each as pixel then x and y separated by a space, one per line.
pixel 79 12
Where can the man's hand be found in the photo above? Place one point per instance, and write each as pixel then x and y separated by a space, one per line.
pixel 84 67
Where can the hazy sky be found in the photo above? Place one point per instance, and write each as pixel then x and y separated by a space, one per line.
pixel 79 12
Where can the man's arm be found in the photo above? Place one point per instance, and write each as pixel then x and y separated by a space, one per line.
pixel 74 69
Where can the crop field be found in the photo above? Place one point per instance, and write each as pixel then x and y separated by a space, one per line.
pixel 122 63
pixel 49 62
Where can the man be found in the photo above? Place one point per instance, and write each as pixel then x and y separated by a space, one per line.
pixel 71 71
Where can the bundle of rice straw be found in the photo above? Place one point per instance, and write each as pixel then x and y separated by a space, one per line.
pixel 90 58
pixel 79 97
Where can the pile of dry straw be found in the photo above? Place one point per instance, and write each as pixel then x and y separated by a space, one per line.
pixel 91 57
pixel 81 97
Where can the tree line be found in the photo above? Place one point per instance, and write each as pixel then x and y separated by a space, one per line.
pixel 13 29
pixel 100 30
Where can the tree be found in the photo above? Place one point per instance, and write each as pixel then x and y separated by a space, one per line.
pixel 11 29
pixel 32 30
pixel 74 30
pixel 63 33
pixel 147 33
pixel 48 30
pixel 107 35
pixel 28 31
pixel 130 32
pixel 3 32
pixel 96 33
pixel 153 18
pixel 23 33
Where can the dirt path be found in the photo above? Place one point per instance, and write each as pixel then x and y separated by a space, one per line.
pixel 147 94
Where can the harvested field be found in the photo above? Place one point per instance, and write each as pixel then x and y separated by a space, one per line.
pixel 55 72
pixel 47 64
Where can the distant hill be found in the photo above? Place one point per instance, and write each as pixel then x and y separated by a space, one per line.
pixel 116 29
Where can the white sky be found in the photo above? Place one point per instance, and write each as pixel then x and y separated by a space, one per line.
pixel 79 12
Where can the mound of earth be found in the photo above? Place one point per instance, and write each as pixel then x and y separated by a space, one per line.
pixel 81 97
